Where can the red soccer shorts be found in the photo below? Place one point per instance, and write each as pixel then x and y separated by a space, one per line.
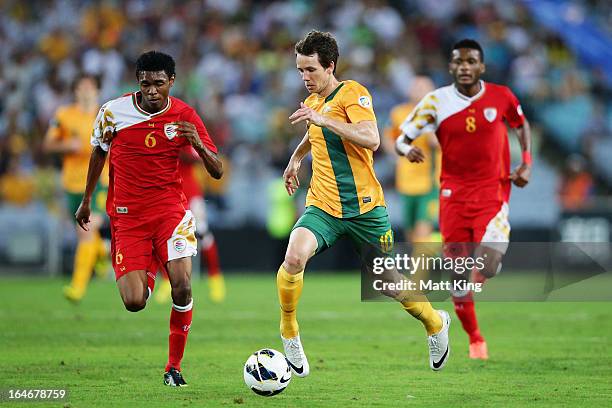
pixel 474 223
pixel 137 243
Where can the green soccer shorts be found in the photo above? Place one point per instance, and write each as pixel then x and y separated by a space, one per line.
pixel 421 207
pixel 98 201
pixel 372 228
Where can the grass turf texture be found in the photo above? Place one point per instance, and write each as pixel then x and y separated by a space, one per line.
pixel 361 354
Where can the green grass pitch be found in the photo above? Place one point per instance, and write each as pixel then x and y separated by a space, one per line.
pixel 361 354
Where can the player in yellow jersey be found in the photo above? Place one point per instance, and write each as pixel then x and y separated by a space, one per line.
pixel 344 198
pixel 69 135
pixel 417 183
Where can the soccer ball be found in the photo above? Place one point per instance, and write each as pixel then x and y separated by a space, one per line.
pixel 266 372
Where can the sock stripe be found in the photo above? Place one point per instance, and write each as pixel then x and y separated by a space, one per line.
pixel 183 308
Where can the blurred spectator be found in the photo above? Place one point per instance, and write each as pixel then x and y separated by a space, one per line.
pixel 576 184
pixel 237 62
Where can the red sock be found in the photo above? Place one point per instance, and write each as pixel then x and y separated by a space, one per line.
pixel 180 323
pixel 464 307
pixel 211 255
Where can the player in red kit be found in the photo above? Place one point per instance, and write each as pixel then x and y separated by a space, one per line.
pixel 144 132
pixel 469 118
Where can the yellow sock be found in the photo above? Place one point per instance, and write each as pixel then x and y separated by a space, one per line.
pixel 216 288
pixel 289 291
pixel 101 249
pixel 84 261
pixel 424 250
pixel 419 307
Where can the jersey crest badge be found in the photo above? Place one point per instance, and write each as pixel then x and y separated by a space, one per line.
pixel 365 101
pixel 490 114
pixel 180 244
pixel 170 130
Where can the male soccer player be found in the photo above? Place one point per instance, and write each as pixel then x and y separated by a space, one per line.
pixel 69 135
pixel 188 164
pixel 469 118
pixel 345 198
pixel 416 183
pixel 145 132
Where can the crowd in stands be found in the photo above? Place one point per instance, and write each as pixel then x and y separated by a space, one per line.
pixel 235 64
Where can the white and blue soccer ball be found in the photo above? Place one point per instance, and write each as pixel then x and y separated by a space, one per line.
pixel 266 372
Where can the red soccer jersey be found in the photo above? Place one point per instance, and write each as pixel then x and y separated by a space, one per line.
pixel 473 139
pixel 144 173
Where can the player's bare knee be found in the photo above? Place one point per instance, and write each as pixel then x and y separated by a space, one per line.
pixel 491 264
pixel 133 304
pixel 294 262
pixel 181 292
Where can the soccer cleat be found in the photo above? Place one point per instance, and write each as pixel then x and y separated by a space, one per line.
pixel 216 287
pixel 163 294
pixel 478 350
pixel 295 356
pixel 72 294
pixel 174 378
pixel 439 349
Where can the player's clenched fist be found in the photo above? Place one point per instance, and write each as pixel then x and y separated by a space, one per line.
pixel 520 176
pixel 188 131
pixel 415 155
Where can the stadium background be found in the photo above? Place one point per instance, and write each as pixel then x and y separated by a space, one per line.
pixel 235 63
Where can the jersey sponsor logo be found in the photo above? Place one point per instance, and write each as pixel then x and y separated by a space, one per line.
pixel 366 200
pixel 170 130
pixel 122 210
pixel 446 192
pixel 180 244
pixel 365 101
pixel 490 114
pixel 151 124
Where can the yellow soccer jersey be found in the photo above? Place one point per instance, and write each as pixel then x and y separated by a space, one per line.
pixel 413 178
pixel 343 182
pixel 72 122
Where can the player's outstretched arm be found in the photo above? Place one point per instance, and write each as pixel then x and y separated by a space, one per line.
pixel 213 164
pixel 96 164
pixel 520 176
pixel 364 133
pixel 290 174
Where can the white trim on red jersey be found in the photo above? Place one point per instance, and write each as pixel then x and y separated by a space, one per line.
pixel 436 107
pixel 118 114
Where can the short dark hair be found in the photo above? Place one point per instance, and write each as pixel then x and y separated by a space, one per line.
pixel 155 61
pixel 86 75
pixel 324 44
pixel 471 44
